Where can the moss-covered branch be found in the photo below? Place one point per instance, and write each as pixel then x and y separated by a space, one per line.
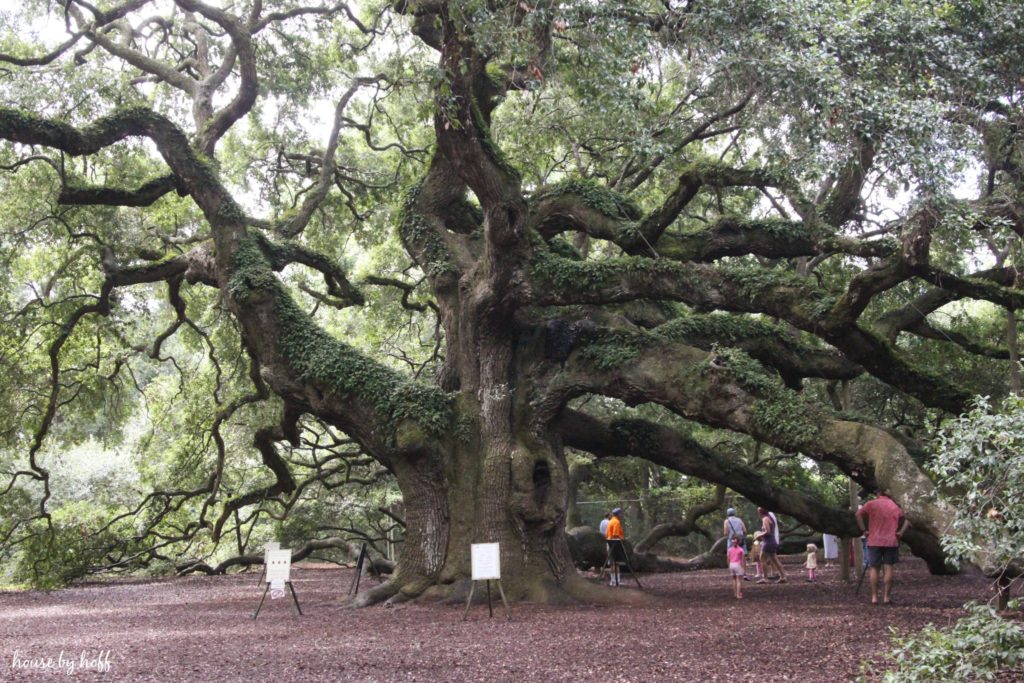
pixel 768 237
pixel 144 195
pixel 695 176
pixel 770 343
pixel 729 390
pixel 281 254
pixel 778 293
pixel 423 237
pixel 590 207
pixel 675 450
pixel 385 409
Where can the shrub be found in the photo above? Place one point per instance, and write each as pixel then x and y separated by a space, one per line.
pixel 979 647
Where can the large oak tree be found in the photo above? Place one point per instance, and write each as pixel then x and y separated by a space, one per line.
pixel 721 209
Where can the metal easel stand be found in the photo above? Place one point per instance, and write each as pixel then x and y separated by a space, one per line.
pixel 490 609
pixel 353 588
pixel 617 553
pixel 295 599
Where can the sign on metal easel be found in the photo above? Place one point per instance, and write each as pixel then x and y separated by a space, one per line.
pixel 271 545
pixel 278 575
pixel 486 562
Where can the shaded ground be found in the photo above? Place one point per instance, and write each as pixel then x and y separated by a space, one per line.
pixel 201 629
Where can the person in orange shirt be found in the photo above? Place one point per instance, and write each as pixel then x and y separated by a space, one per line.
pixel 616 548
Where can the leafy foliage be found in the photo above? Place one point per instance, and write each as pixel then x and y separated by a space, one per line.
pixel 979 460
pixel 981 646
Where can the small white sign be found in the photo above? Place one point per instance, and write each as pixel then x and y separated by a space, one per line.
pixel 272 545
pixel 486 560
pixel 276 589
pixel 279 564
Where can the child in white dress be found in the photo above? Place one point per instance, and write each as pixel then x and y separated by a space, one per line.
pixel 812 561
pixel 755 556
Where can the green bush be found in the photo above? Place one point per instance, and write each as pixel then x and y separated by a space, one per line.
pixel 979 466
pixel 978 647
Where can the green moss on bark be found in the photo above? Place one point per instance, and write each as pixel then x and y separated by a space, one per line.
pixel 779 413
pixel 319 358
pixel 594 195
pixel 612 350
pixel 418 234
pixel 492 150
pixel 566 273
pixel 720 327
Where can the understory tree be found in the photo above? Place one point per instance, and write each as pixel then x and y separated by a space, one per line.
pixel 979 465
pixel 255 241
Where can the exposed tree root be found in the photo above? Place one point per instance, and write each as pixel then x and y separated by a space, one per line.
pixel 713 557
pixel 572 589
pixel 382 593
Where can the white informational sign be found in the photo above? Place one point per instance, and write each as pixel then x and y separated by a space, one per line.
pixel 276 589
pixel 272 545
pixel 279 565
pixel 486 560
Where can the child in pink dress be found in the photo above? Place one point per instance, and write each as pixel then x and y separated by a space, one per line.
pixel 735 555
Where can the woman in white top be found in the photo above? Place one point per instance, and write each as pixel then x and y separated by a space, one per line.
pixel 831 544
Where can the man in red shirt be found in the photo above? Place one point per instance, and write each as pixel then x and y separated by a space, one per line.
pixel 885 527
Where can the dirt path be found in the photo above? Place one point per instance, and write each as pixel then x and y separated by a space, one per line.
pixel 200 629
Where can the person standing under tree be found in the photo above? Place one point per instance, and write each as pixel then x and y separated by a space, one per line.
pixel 736 561
pixel 770 547
pixel 885 527
pixel 811 563
pixel 755 555
pixel 831 544
pixel 733 527
pixel 616 548
pixel 603 528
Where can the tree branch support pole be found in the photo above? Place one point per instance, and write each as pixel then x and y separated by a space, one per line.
pixel 858 547
pixel 844 559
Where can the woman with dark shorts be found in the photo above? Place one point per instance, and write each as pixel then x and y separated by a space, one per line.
pixel 770 546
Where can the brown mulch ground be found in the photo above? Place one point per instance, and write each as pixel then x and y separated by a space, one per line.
pixel 201 629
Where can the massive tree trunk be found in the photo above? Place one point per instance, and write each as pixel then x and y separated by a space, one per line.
pixel 508 487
